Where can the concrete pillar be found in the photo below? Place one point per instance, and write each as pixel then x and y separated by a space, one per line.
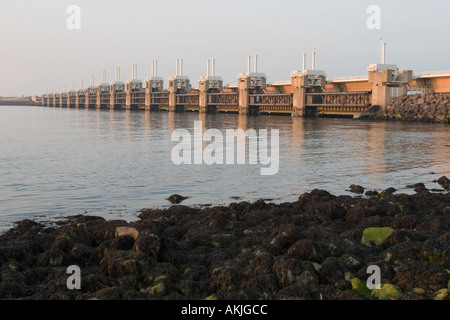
pixel 202 96
pixel 302 83
pixel 298 97
pixel 243 87
pixel 115 88
pixel 86 99
pixel 387 83
pixel 131 87
pixel 207 85
pixel 77 99
pixel 112 96
pixel 177 85
pixel 147 94
pixel 128 95
pixel 246 82
pixel 152 86
pixel 98 102
pixel 102 89
pixel 91 97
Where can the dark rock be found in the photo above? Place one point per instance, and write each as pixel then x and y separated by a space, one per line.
pixel 119 263
pixel 28 224
pixel 193 289
pixel 290 271
pixel 371 193
pixel 422 274
pixel 148 244
pixel 333 272
pixel 262 285
pixel 389 191
pixel 123 243
pixel 418 187
pixel 176 198
pixel 404 221
pixel 355 214
pixel 260 264
pixel 444 182
pixel 356 189
pixel 256 206
pixel 307 249
pixel 402 253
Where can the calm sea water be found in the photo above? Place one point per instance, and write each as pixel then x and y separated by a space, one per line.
pixel 56 161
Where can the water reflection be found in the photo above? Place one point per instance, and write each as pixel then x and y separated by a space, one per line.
pixel 70 160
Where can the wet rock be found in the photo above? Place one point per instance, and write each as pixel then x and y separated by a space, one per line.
pixel 360 287
pixel 225 278
pixel 387 292
pixel 289 271
pixel 118 263
pixel 315 196
pixel 127 231
pixel 442 294
pixel 262 285
pixel 28 224
pixel 356 189
pixel 404 221
pixel 418 187
pixel 371 193
pixel 422 274
pixel 193 289
pixel 444 182
pixel 333 273
pixel 433 224
pixel 125 242
pixel 375 235
pixel 149 244
pixel 307 250
pixel 398 236
pixel 256 206
pixel 402 253
pixel 355 214
pixel 348 294
pixel 176 198
pixel 260 264
pixel 437 250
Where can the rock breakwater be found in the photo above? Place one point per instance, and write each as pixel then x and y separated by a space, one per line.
pixel 318 247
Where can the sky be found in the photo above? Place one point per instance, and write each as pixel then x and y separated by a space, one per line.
pixel 38 51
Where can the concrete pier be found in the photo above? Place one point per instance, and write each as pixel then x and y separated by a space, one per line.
pixel 154 85
pixel 387 83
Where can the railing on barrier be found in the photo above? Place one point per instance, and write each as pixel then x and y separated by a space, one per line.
pixel 159 98
pixel 230 99
pixel 187 99
pixel 271 99
pixel 335 99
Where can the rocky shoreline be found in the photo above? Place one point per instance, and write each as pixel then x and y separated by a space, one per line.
pixel 431 108
pixel 318 247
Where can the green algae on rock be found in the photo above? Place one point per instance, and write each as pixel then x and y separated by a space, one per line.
pixel 375 235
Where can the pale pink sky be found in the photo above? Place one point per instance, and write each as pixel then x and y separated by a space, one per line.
pixel 38 51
